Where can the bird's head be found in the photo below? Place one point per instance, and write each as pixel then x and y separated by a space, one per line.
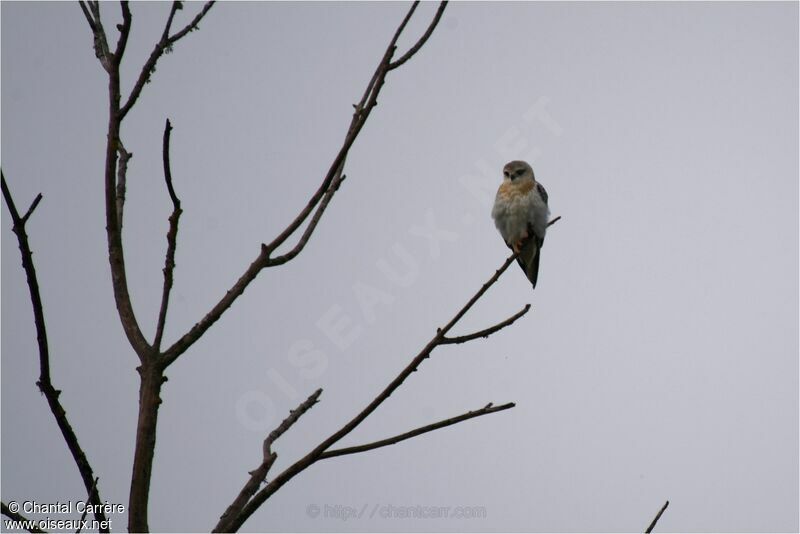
pixel 517 171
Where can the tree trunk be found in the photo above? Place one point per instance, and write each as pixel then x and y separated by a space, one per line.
pixel 152 377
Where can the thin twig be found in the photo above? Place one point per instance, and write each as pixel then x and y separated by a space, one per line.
pixel 291 419
pixel 19 517
pixel 362 111
pixel 101 49
pixel 31 208
pixel 88 15
pixel 656 518
pixel 44 383
pixel 440 333
pixel 360 116
pixel 321 191
pixel 393 44
pixel 94 6
pixel 86 509
pixel 192 26
pixel 176 203
pixel 161 46
pixel 176 5
pixel 489 408
pixel 124 32
pixel 414 49
pixel 486 332
pixel 258 475
pixel 312 225
pixel 172 240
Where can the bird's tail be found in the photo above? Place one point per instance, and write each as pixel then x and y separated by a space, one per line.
pixel 528 259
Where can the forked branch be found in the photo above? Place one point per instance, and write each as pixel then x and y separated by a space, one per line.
pixel 233 523
pixel 312 225
pixel 101 51
pixel 414 49
pixel 165 43
pixel 259 474
pixel 489 408
pixel 44 383
pixel 486 332
pixel 317 204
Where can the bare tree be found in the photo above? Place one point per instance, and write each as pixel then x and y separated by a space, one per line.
pixel 154 358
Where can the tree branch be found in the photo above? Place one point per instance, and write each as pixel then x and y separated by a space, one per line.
pixel 114 196
pixel 656 518
pixel 176 5
pixel 101 51
pixel 291 419
pixel 116 254
pixel 313 456
pixel 489 408
pixel 151 370
pixel 32 207
pixel 258 475
pixel 94 7
pixel 312 225
pixel 414 49
pixel 164 44
pixel 393 44
pixel 124 32
pixel 172 241
pixel 192 26
pixel 360 116
pixel 362 111
pixel 44 383
pixel 86 510
pixel 176 203
pixel 122 174
pixel 18 517
pixel 486 332
pixel 188 339
pixel 319 201
pixel 88 16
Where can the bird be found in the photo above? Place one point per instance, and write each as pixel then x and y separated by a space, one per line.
pixel 520 213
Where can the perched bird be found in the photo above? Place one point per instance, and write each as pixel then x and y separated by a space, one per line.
pixel 520 212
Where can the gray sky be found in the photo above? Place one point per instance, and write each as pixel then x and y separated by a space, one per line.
pixel 659 361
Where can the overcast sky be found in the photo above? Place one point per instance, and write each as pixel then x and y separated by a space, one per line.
pixel 659 360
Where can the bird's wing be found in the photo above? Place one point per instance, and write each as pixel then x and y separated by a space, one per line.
pixel 528 257
pixel 539 212
pixel 542 191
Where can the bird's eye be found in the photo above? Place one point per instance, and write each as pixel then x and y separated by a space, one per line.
pixel 505 173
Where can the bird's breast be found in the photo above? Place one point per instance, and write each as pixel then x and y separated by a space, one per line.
pixel 516 207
